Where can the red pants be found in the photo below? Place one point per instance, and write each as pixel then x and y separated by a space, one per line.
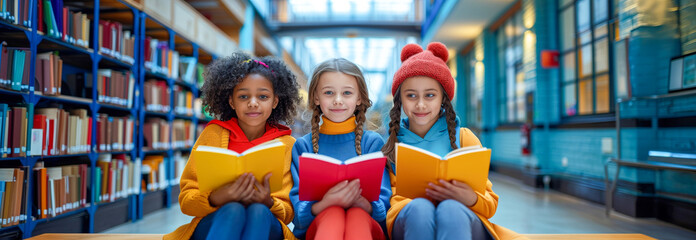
pixel 337 223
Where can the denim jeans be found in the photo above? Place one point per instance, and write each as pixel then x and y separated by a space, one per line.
pixel 234 221
pixel 450 219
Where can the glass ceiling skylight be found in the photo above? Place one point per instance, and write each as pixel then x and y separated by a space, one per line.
pixel 348 10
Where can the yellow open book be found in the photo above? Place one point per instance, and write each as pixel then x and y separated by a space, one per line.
pixel 218 166
pixel 416 167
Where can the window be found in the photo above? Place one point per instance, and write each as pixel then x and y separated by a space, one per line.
pixel 586 47
pixel 511 91
pixel 687 9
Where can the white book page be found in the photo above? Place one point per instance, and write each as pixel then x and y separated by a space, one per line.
pixel 203 148
pixel 463 151
pixel 364 157
pixel 269 144
pixel 322 158
pixel 417 149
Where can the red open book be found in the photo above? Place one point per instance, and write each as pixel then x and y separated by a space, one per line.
pixel 319 173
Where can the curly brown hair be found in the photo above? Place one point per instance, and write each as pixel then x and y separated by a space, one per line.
pixel 223 74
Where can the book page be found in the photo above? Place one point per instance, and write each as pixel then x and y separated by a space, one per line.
pixel 415 168
pixel 470 168
pixel 364 157
pixel 270 159
pixel 322 158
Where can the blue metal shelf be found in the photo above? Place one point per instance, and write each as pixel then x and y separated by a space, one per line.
pixel 115 63
pixel 115 107
pixel 116 152
pixel 71 212
pixel 51 44
pixel 151 74
pixel 155 151
pixel 177 116
pixel 61 156
pixel 156 114
pixel 5 92
pixel 12 158
pixel 66 99
pixel 185 84
pixel 7 24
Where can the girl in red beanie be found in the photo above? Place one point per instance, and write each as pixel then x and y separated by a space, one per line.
pixel 424 88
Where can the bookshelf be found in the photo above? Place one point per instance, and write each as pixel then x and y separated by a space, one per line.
pixel 106 70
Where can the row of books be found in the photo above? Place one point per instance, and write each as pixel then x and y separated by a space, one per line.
pixel 58 190
pixel 183 133
pixel 14 67
pixel 114 133
pixel 49 73
pixel 153 174
pixel 61 132
pixel 180 160
pixel 16 12
pixel 115 42
pixel 157 96
pixel 13 130
pixel 191 71
pixel 115 87
pixel 61 23
pixel 183 101
pixel 156 134
pixel 12 194
pixel 117 176
pixel 160 59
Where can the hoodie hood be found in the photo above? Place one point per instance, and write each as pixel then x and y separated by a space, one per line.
pixel 239 142
pixel 436 139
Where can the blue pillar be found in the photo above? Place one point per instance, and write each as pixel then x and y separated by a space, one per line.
pixel 461 103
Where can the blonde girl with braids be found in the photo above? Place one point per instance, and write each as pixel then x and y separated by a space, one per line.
pixel 423 87
pixel 338 98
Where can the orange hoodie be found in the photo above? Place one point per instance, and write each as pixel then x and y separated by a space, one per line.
pixel 228 135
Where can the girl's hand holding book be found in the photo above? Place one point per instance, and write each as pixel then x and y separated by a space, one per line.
pixel 239 190
pixel 452 190
pixel 344 194
pixel 262 194
pixel 363 203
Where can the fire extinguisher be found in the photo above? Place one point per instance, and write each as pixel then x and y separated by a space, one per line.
pixel 525 139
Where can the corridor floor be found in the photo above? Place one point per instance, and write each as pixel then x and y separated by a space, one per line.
pixel 520 208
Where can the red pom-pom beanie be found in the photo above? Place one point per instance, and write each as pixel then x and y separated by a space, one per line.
pixel 430 63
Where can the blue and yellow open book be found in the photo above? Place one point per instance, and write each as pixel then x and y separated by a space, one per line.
pixel 218 166
pixel 416 167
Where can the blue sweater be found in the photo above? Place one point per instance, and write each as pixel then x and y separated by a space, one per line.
pixel 436 140
pixel 342 147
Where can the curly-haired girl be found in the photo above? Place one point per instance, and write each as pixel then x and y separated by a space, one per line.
pixel 250 98
pixel 338 98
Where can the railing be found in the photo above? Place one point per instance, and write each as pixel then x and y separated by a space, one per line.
pixel 654 165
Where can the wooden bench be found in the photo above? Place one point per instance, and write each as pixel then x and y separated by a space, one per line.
pixel 97 236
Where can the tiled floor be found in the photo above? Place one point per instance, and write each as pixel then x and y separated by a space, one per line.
pixel 520 208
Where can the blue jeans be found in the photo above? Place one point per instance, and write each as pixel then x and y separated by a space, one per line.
pixel 420 219
pixel 234 221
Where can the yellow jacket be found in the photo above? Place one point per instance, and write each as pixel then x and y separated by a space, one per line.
pixel 485 206
pixel 195 203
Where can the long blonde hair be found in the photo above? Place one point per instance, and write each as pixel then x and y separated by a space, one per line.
pixel 344 66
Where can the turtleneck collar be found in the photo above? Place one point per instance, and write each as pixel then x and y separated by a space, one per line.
pixel 332 128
